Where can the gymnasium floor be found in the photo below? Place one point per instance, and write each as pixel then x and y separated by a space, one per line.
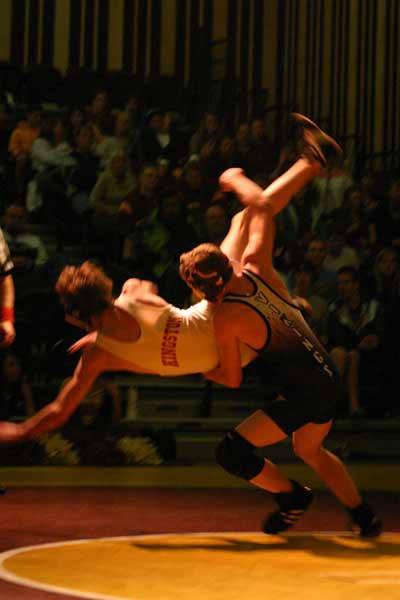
pixel 227 559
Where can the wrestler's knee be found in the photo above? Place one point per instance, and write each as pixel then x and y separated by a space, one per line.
pixel 237 456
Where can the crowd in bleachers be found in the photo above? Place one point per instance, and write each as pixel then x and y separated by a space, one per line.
pixel 134 186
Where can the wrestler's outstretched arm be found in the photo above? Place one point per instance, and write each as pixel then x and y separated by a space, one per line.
pixel 61 408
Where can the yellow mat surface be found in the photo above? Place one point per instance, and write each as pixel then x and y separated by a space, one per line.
pixel 214 566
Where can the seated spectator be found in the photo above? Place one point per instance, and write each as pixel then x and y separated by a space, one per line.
pixel 82 180
pixel 110 191
pixel 330 187
pixel 354 220
pixel 7 178
pixel 123 130
pixel 20 147
pixel 105 144
pixel 263 154
pixel 324 281
pixel 27 249
pixel 216 223
pixel 243 145
pixel 159 140
pixel 339 254
pixel 141 202
pixel 51 148
pixel 133 106
pixel 99 108
pixel 209 130
pixel 74 122
pixel 386 217
pixel 387 288
pixel 313 307
pixel 52 162
pixel 293 225
pixel 15 391
pixel 355 329
pixel 222 156
pixel 153 249
pixel 194 187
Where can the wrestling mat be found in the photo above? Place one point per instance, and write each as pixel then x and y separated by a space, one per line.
pixel 212 566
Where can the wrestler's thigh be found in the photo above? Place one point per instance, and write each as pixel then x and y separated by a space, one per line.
pixel 260 430
pixel 237 237
pixel 310 437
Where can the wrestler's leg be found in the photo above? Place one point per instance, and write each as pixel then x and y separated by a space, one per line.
pixel 237 237
pixel 260 430
pixel 308 445
pixel 236 453
pixel 278 193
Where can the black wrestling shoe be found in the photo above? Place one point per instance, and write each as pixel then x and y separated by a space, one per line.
pixel 292 506
pixel 315 143
pixel 365 521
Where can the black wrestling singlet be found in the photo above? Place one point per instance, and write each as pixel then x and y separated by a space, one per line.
pixel 291 348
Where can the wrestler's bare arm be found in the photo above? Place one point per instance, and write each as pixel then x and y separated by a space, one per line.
pixel 57 412
pixel 229 370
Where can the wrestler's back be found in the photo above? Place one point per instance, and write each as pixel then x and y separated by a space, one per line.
pixel 172 341
pixel 290 347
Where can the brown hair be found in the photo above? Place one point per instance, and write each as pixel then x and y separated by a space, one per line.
pixel 84 291
pixel 207 269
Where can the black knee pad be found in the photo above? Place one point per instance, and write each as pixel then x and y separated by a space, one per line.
pixel 236 455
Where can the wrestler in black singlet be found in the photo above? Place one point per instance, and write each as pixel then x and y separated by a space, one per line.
pixel 306 375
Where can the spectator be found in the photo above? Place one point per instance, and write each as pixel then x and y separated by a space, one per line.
pixel 324 280
pixel 216 223
pixel 20 147
pixel 133 107
pixel 7 175
pixel 262 157
pixel 331 187
pixel 209 130
pixel 16 393
pixel 339 254
pixel 123 131
pixel 82 180
pixel 99 107
pixel 222 155
pixel 387 217
pixel 110 191
pixel 195 189
pixel 243 145
pixel 27 249
pixel 355 330
pixel 153 249
pixel 51 149
pixel 313 307
pixel 142 201
pixel 74 122
pixel 355 224
pixel 387 277
pixel 52 162
pixel 105 144
pixel 159 139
